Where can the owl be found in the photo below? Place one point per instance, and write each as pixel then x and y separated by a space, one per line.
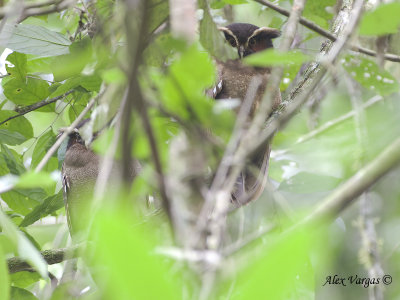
pixel 233 80
pixel 80 170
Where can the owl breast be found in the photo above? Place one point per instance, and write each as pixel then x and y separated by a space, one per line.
pixel 236 78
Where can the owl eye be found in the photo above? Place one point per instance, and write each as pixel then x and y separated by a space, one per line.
pixel 252 42
pixel 231 41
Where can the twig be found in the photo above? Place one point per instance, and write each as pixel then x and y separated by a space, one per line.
pixel 346 194
pixel 26 109
pixel 37 9
pixel 136 100
pixel 67 131
pixel 52 256
pixel 314 27
pixel 334 122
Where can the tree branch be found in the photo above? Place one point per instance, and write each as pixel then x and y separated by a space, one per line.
pixel 37 9
pixel 345 195
pixel 26 109
pixel 314 27
pixel 52 256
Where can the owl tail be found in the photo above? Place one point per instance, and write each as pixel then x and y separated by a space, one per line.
pixel 251 183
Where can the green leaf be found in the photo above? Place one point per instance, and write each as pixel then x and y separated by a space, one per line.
pixel 4 277
pixel 13 160
pixel 72 64
pixel 24 279
pixel 11 138
pixel 114 75
pixel 25 249
pixel 317 11
pixel 14 131
pixel 49 206
pixel 22 201
pixel 21 294
pixel 370 75
pixel 42 146
pixel 25 93
pixel 273 57
pixel 183 89
pixel 19 69
pixel 68 85
pixel 234 2
pixel 283 264
pixel 216 4
pixel 91 83
pixel 211 38
pixel 36 40
pixel 383 20
pixel 35 179
pixel 159 11
pixel 121 238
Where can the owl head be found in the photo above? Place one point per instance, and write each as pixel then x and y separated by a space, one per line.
pixel 248 38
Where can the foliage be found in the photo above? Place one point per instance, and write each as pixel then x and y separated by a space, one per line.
pixel 65 58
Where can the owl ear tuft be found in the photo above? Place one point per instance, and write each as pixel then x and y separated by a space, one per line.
pixel 267 32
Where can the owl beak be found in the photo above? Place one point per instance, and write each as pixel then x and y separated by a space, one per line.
pixel 241 51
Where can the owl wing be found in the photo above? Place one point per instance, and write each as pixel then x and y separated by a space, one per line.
pixel 66 193
pixel 217 88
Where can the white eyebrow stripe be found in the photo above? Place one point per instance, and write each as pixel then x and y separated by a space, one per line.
pixel 228 31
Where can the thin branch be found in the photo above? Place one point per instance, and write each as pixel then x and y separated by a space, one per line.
pixel 314 27
pixel 334 122
pixel 26 109
pixel 348 192
pixel 52 256
pixel 37 9
pixel 67 131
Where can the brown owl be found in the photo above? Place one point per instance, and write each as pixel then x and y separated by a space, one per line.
pixel 234 78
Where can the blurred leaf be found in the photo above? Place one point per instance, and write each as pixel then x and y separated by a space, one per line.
pixel 14 131
pixel 317 11
pixel 158 14
pixel 114 75
pixel 19 69
pixel 24 279
pixel 13 160
pixel 72 64
pixel 31 39
pixel 49 206
pixel 22 201
pixel 68 85
pixel 43 144
pixel 25 93
pixel 383 20
pixel 216 4
pixel 273 57
pixel 303 183
pixel 211 38
pixel 21 294
pixel 34 179
pixel 25 249
pixel 370 76
pixel 283 265
pixel 183 89
pixel 122 246
pixel 4 277
pixel 91 83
